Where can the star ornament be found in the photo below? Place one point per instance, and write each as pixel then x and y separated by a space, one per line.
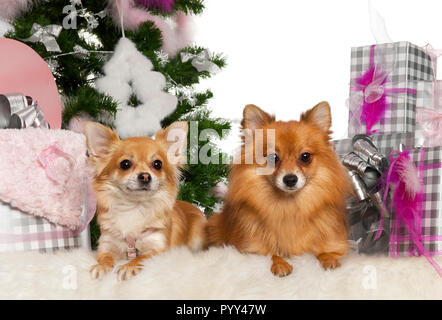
pixel 130 73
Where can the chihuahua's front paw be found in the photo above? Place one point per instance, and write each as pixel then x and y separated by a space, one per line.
pixel 280 267
pixel 328 261
pixel 127 271
pixel 97 271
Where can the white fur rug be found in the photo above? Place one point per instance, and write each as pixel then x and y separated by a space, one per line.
pixel 220 273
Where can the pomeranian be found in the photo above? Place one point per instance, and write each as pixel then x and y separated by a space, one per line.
pixel 298 206
pixel 136 182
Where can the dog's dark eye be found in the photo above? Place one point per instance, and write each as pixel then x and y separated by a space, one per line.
pixel 273 158
pixel 125 164
pixel 157 164
pixel 306 157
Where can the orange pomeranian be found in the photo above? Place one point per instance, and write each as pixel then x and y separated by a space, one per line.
pixel 299 205
pixel 136 181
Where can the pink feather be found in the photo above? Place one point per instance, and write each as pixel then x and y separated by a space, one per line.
pixel 162 5
pixel 408 194
pixel 372 113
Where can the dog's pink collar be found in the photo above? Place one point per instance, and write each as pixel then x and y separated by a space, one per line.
pixel 130 241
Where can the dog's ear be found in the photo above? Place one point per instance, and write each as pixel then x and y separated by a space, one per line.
pixel 319 116
pixel 255 118
pixel 99 138
pixel 175 139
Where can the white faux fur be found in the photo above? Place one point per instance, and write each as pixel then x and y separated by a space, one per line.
pixel 127 72
pixel 220 273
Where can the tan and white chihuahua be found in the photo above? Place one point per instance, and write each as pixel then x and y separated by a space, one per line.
pixel 136 184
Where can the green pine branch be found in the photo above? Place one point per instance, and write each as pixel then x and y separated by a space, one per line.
pixel 75 75
pixel 89 101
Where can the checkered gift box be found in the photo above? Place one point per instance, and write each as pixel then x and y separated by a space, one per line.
pixel 408 63
pixel 363 227
pixel 431 223
pixel 20 231
pixel 46 199
pixel 428 107
pixel 385 143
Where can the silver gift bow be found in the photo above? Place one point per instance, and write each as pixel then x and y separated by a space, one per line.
pixel 200 61
pixel 19 112
pixel 45 35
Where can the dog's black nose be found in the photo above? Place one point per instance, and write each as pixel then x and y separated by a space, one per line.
pixel 144 177
pixel 290 180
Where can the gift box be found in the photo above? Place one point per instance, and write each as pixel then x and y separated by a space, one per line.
pixel 20 231
pixel 385 143
pixel 383 87
pixel 46 199
pixel 428 222
pixel 395 239
pixel 364 219
pixel 429 114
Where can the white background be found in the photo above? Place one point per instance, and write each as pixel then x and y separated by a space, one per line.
pixel 285 56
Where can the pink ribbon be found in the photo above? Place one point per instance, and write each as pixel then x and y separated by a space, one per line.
pixel 431 124
pixel 414 227
pixel 47 160
pixel 372 84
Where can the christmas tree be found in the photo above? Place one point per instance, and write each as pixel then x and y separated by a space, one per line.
pixel 90 31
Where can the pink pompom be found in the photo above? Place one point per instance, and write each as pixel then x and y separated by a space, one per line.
pixel 174 38
pixel 77 123
pixel 220 190
pixel 10 9
pixel 162 5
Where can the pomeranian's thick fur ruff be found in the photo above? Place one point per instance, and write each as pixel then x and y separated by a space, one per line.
pixel 258 217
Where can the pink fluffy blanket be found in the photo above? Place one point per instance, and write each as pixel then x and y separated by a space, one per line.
pixel 44 173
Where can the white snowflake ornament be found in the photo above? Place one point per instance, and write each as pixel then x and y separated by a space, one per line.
pixel 129 73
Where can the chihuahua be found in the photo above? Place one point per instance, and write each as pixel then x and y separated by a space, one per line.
pixel 136 184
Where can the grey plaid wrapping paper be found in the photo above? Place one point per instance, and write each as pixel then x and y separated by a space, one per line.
pixel 16 222
pixel 384 142
pixel 432 206
pixel 424 99
pixel 411 64
pixel 360 226
pixel 431 223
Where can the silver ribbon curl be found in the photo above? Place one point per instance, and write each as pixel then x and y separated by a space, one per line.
pixel 18 112
pixel 45 35
pixel 200 61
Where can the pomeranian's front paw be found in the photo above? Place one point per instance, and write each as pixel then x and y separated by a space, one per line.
pixel 328 261
pixel 97 271
pixel 280 267
pixel 127 271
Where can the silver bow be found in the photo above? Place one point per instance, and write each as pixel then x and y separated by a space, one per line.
pixel 19 112
pixel 200 61
pixel 365 166
pixel 45 35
